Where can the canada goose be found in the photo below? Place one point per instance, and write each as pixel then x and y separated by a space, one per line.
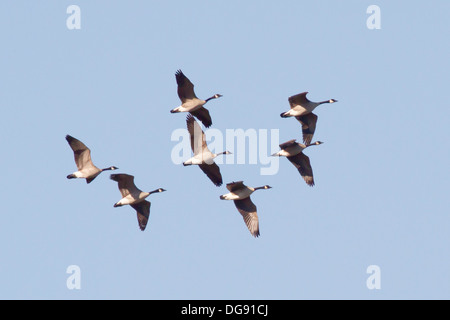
pixel 134 197
pixel 294 152
pixel 86 168
pixel 203 157
pixel 240 194
pixel 301 109
pixel 190 102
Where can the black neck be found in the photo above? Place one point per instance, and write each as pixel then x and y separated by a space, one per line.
pixel 154 191
pixel 213 97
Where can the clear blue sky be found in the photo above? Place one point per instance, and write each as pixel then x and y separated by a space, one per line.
pixel 381 195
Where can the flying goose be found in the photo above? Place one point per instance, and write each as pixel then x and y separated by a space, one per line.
pixel 301 109
pixel 86 168
pixel 190 102
pixel 240 194
pixel 203 157
pixel 294 152
pixel 134 197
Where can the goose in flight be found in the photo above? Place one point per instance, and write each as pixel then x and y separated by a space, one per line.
pixel 190 102
pixel 203 157
pixel 134 197
pixel 86 169
pixel 301 109
pixel 294 152
pixel 240 194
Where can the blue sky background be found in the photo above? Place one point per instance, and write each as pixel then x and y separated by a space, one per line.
pixel 381 194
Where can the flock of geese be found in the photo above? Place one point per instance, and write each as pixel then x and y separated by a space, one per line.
pixel 301 108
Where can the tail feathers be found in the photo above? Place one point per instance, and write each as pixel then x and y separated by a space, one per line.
pixel 222 197
pixel 284 115
pixel 71 176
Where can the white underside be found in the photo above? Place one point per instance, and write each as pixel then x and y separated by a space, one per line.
pixel 78 174
pixel 289 152
pixel 86 174
pixel 189 106
pixel 297 111
pixel 200 159
pixel 130 199
pixel 238 195
pixel 283 153
pixel 180 109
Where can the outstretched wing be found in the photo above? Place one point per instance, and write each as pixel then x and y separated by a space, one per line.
pixel 303 165
pixel 213 173
pixel 298 99
pixel 308 122
pixel 185 87
pixel 203 115
pixel 126 183
pixel 82 154
pixel 198 139
pixel 233 186
pixel 143 213
pixel 248 211
pixel 288 144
